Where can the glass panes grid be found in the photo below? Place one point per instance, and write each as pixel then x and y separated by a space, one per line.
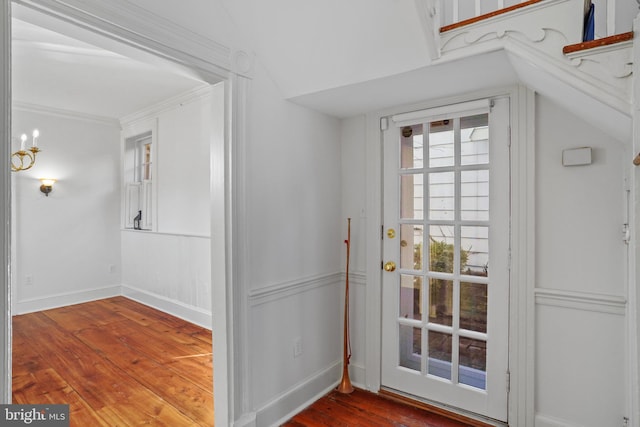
pixel 444 248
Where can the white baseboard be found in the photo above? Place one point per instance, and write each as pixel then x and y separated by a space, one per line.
pixel 285 406
pixel 247 420
pixel 547 421
pixel 357 375
pixel 184 311
pixel 61 300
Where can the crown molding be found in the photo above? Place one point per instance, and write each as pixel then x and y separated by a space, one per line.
pixel 191 95
pixel 67 114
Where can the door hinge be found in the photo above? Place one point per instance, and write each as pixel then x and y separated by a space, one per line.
pixel 626 233
pixel 382 232
pixel 509 136
pixel 508 381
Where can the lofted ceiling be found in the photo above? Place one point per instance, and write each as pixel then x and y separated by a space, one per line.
pixel 340 58
pixel 315 46
pixel 56 71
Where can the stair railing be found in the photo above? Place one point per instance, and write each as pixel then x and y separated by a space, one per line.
pixel 453 11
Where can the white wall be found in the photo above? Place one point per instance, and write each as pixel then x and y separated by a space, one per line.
pixel 295 241
pixel 580 273
pixel 352 135
pixel 67 243
pixel 170 267
pixel 185 134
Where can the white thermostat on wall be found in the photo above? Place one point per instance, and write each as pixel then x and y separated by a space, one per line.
pixel 576 156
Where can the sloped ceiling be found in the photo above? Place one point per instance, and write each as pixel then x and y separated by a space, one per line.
pixel 55 71
pixel 319 45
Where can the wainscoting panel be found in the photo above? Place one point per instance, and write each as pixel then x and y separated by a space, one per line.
pixel 309 347
pixel 580 359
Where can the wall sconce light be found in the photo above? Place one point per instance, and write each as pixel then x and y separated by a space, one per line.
pixel 25 157
pixel 47 185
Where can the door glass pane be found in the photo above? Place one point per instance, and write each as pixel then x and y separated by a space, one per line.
pixel 441 143
pixel 441 248
pixel 442 196
pixel 474 140
pixel 410 296
pixel 439 354
pixel 411 147
pixel 473 306
pixel 411 197
pixel 411 246
pixel 410 347
pixel 474 252
pixel 473 363
pixel 474 197
pixel 441 301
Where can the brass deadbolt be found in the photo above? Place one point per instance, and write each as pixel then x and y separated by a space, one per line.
pixel 390 266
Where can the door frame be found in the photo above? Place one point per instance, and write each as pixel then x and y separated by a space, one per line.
pixel 522 272
pixel 234 67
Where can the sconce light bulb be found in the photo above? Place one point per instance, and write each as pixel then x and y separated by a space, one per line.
pixel 23 137
pixel 36 133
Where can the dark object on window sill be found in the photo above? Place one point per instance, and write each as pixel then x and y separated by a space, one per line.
pixel 136 221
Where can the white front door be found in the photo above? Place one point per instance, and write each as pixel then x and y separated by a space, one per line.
pixel 446 255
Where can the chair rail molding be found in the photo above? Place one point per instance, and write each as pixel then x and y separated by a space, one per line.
pixel 585 301
pixel 282 290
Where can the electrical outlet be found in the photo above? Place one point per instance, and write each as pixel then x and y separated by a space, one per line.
pixel 28 280
pixel 297 347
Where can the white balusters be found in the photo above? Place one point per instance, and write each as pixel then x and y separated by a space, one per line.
pixel 611 17
pixel 456 11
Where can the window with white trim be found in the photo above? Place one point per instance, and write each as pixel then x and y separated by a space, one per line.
pixel 138 175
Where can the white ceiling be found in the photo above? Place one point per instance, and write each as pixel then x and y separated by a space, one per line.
pixel 52 70
pixel 312 46
pixel 343 58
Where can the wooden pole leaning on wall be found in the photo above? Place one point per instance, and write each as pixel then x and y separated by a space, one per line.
pixel 345 384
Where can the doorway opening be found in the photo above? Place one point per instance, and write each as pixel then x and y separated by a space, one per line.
pixel 80 169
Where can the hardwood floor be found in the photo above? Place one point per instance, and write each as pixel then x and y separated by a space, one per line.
pixel 364 409
pixel 120 363
pixel 116 363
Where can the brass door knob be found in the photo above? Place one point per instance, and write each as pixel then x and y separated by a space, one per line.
pixel 390 266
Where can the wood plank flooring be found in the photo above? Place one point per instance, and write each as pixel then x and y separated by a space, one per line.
pixel 116 363
pixel 120 363
pixel 364 409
